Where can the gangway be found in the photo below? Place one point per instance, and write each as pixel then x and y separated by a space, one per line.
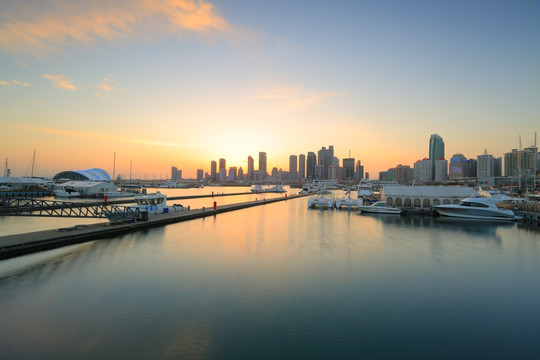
pixel 33 207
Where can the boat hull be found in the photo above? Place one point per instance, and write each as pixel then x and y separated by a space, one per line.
pixel 370 209
pixel 476 214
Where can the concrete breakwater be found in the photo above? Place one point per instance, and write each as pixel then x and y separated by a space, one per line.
pixel 15 245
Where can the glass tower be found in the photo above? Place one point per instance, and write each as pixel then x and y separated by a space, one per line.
pixel 436 151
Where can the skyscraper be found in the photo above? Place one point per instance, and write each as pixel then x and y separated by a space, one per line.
pixel 293 167
pixel 222 164
pixel 213 171
pixel 457 166
pixel 262 164
pixel 251 169
pixel 436 152
pixel 301 166
pixel 484 164
pixel 310 165
pixel 348 164
pixel 325 159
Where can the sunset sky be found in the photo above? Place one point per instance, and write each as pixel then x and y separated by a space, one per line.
pixel 181 83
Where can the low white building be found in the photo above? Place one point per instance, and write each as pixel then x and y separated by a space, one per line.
pixel 424 196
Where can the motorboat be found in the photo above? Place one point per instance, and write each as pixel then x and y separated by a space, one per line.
pixel 65 191
pixel 365 190
pixel 275 189
pixel 145 205
pixel 348 202
pixel 321 201
pixel 479 208
pixel 257 189
pixel 380 207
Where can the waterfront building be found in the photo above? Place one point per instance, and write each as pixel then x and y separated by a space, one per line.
pixel 262 164
pixel 200 173
pixel 456 167
pixel 176 174
pixel 422 170
pixel 274 172
pixel 525 161
pixel 367 175
pixel 441 170
pixel 310 165
pixel 497 167
pixel 83 175
pixel 222 175
pixel 213 170
pixel 391 174
pixel 424 196
pixel 251 169
pixel 436 151
pixel 383 175
pixel 319 172
pixel 301 166
pixel 348 164
pixel 293 166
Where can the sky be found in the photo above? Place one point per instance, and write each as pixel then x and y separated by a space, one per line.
pixel 150 84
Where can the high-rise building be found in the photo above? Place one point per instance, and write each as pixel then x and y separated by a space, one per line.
pixel 293 167
pixel 325 159
pixel 262 164
pixel 484 168
pixel 232 174
pixel 241 174
pixel 310 165
pixel 213 171
pixel 176 174
pixel 469 170
pixel 359 174
pixel 402 174
pixel 497 167
pixel 422 170
pixel 348 164
pixel 441 170
pixel 457 166
pixel 200 173
pixel 222 164
pixel 436 151
pixel 301 166
pixel 251 169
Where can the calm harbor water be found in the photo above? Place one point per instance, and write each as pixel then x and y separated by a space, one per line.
pixel 280 282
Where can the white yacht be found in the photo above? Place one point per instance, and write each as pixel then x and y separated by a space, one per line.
pixel 321 201
pixel 275 189
pixel 479 208
pixel 65 191
pixel 348 202
pixel 150 204
pixel 257 189
pixel 379 207
pixel 365 190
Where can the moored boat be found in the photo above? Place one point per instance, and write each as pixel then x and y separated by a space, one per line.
pixel 380 207
pixel 478 208
pixel 275 189
pixel 150 204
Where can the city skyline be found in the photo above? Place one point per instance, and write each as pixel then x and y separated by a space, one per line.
pixel 81 81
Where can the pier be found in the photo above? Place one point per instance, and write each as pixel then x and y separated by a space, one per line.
pixel 20 244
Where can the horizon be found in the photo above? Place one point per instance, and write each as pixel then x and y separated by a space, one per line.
pixel 183 83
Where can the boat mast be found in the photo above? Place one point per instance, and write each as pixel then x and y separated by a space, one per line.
pixel 33 160
pixel 114 166
pixel 130 167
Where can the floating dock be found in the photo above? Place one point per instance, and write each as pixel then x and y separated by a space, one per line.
pixel 20 244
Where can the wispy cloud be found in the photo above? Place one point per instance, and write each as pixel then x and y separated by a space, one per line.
pixel 42 26
pixel 61 82
pixel 93 135
pixel 13 82
pixel 293 97
pixel 106 86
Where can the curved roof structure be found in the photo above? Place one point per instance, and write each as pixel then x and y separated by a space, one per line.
pixel 84 175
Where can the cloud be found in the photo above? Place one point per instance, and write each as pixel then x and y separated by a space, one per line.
pixel 93 135
pixel 61 82
pixel 36 27
pixel 13 82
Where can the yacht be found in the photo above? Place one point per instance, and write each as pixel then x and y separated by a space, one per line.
pixel 379 207
pixel 65 191
pixel 365 190
pixel 321 201
pixel 348 202
pixel 479 208
pixel 150 204
pixel 257 189
pixel 275 189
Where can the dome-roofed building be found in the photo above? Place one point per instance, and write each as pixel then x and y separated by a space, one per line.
pixel 83 175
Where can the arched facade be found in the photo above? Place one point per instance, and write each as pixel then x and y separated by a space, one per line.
pixel 83 175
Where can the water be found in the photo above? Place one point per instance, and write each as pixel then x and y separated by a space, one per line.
pixel 280 282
